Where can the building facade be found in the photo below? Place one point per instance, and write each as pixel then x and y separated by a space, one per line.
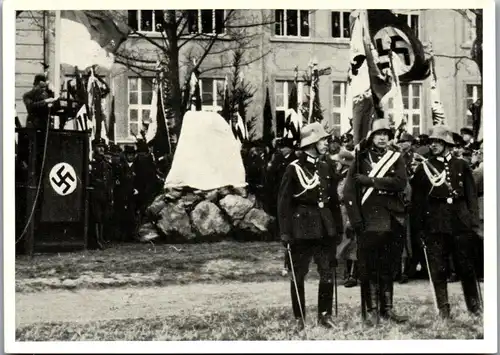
pixel 286 40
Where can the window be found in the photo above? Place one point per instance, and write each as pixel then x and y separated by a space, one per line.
pixel 412 20
pixel 340 119
pixel 140 94
pixel 292 23
pixel 412 107
pixel 473 93
pixel 282 98
pixel 146 20
pixel 340 24
pixel 205 21
pixel 212 91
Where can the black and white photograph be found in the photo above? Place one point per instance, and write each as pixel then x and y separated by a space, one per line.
pixel 193 179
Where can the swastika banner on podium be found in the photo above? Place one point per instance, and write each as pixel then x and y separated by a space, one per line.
pixel 62 179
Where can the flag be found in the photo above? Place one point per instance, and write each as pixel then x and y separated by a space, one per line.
pixel 194 91
pixel 267 129
pixel 438 116
pixel 112 121
pixel 89 38
pixel 293 125
pixel 293 101
pixel 315 113
pixel 359 95
pixel 226 104
pixel 475 109
pixel 388 32
pixel 239 129
pixel 153 114
pixel 160 135
pixel 393 100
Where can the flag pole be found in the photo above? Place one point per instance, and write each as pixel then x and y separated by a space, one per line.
pixel 57 66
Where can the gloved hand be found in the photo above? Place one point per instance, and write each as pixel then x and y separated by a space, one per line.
pixel 363 180
pixel 350 233
pixel 286 240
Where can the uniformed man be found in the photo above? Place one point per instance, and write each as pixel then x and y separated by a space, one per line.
pixel 146 180
pixel 40 103
pixel 101 179
pixel 446 209
pixel 310 222
pixel 467 136
pixel 126 198
pixel 375 207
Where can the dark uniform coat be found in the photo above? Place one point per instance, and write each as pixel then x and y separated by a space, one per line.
pixel 274 174
pixel 146 180
pixel 37 108
pixel 385 203
pixel 101 179
pixel 312 213
pixel 431 211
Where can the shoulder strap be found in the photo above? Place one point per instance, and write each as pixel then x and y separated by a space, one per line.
pixel 380 169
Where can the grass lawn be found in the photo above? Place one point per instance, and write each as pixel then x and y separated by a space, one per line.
pixel 263 322
pixel 152 265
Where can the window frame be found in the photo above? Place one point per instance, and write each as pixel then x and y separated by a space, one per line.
pixel 300 94
pixel 139 106
pixel 153 20
pixel 216 106
pixel 475 93
pixel 299 35
pixel 341 12
pixel 409 112
pixel 199 24
pixel 344 116
pixel 410 14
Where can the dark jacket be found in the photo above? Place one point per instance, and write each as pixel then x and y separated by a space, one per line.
pixel 146 180
pixel 101 179
pixel 37 108
pixel 273 176
pixel 431 212
pixel 385 204
pixel 313 213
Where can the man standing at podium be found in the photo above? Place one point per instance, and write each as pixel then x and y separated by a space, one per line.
pixel 40 102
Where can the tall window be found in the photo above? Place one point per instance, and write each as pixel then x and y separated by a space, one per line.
pixel 146 20
pixel 340 121
pixel 205 21
pixel 412 20
pixel 412 107
pixel 211 94
pixel 282 100
pixel 292 23
pixel 140 94
pixel 473 93
pixel 340 24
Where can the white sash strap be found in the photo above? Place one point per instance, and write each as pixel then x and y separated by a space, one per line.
pixel 380 169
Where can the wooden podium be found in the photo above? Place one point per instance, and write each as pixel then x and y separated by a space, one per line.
pixel 54 211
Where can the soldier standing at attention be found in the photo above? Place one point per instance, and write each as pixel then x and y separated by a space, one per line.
pixel 101 179
pixel 446 210
pixel 377 215
pixel 127 195
pixel 308 210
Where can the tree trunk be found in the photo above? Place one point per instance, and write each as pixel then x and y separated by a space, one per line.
pixel 173 76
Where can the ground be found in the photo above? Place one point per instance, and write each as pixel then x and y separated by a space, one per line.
pixel 220 291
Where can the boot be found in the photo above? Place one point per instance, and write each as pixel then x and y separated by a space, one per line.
pixel 325 303
pixel 441 290
pixel 350 279
pixel 471 295
pixel 296 306
pixel 370 292
pixel 386 304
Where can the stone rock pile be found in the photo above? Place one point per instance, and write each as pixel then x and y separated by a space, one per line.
pixel 186 215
